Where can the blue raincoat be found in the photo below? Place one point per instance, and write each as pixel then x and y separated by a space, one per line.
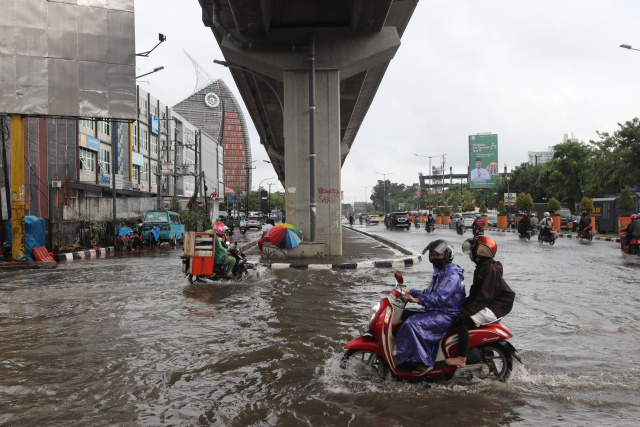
pixel 418 337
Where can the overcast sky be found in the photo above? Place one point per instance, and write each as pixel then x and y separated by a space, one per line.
pixel 529 72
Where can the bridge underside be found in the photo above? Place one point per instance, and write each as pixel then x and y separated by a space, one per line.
pixel 353 42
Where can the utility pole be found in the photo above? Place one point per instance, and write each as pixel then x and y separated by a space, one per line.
pixel 5 167
pixel 18 205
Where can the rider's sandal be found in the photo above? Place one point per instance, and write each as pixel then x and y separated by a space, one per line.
pixel 420 370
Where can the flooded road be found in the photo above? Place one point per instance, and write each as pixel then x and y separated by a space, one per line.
pixel 124 341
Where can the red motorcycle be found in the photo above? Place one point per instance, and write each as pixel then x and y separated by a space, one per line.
pixel 633 248
pixel 586 233
pixel 490 354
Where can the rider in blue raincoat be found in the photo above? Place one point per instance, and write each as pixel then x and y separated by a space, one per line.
pixel 418 338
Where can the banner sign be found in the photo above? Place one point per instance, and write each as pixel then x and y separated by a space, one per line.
pixel 89 142
pixel 137 159
pixel 233 199
pixel 154 124
pixel 483 161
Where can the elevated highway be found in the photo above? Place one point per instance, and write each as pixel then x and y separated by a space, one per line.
pixel 308 70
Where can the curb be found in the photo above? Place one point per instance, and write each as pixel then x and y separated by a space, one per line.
pixel 563 235
pixel 86 254
pixel 413 258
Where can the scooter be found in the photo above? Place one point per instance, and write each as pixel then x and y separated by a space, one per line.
pixel 490 355
pixel 461 229
pixel 548 237
pixel 430 227
pixel 586 233
pixel 198 268
pixel 478 232
pixel 525 234
pixel 633 248
pixel 416 223
pixel 534 230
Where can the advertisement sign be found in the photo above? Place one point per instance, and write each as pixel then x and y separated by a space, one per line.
pixel 154 124
pixel 483 161
pixel 137 159
pixel 89 142
pixel 510 198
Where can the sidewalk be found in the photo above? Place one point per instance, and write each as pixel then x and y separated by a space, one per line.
pixel 359 250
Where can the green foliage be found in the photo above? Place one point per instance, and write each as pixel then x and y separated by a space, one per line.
pixel 502 209
pixel 482 208
pixel 626 201
pixel 553 205
pixel 189 215
pixel 455 208
pixel 524 202
pixel 468 207
pixel 446 211
pixel 438 211
pixel 586 204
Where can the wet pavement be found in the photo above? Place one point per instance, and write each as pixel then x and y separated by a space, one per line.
pixel 126 341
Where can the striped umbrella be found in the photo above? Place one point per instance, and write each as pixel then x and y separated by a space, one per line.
pixel 285 236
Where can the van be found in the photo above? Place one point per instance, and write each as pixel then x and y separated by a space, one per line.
pixel 169 223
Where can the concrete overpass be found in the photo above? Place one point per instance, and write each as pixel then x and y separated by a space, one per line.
pixel 308 71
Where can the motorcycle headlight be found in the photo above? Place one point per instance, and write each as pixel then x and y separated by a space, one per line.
pixel 373 311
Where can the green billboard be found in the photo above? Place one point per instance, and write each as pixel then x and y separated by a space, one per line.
pixel 483 161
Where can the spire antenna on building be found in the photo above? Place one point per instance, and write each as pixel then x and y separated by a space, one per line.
pixel 203 79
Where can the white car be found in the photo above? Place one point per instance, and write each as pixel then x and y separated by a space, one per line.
pixel 254 222
pixel 373 219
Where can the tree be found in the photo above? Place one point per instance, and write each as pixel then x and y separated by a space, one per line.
pixel 586 204
pixel 524 202
pixel 553 205
pixel 483 208
pixel 468 207
pixel 564 174
pixel 626 201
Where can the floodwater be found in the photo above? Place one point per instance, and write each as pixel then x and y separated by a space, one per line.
pixel 125 341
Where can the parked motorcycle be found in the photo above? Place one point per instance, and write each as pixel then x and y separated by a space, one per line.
pixel 586 233
pixel 430 227
pixel 373 352
pixel 633 248
pixel 549 237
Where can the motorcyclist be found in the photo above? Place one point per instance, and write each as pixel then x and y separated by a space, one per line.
pixel 524 225
pixel 632 230
pixel 221 256
pixel 416 221
pixel 424 327
pixel 460 225
pixel 585 221
pixel 478 224
pixel 546 225
pixel 431 220
pixel 490 298
pixel 351 219
pixel 534 221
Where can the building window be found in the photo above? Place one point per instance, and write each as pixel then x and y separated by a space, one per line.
pixel 87 123
pixel 105 162
pixel 144 107
pixel 153 109
pixel 189 137
pixel 144 139
pixel 104 127
pixel 162 125
pixel 135 137
pixel 145 172
pixel 136 173
pixel 154 174
pixel 87 159
pixel 154 144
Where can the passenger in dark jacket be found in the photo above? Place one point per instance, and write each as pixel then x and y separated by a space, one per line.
pixel 490 298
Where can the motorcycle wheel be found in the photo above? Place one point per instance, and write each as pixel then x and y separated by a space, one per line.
pixel 589 237
pixel 540 238
pixel 364 363
pixel 552 241
pixel 499 360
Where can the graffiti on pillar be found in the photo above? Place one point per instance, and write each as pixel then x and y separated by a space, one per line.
pixel 328 195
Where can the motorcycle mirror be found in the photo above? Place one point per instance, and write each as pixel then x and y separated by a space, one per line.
pixel 398 277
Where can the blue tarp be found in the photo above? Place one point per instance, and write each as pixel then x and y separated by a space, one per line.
pixel 123 232
pixel 35 229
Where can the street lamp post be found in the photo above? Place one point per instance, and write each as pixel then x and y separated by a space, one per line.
pixel 384 190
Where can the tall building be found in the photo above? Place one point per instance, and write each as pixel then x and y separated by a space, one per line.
pixel 215 111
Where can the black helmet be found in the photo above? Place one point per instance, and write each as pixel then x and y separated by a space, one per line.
pixel 584 213
pixel 442 247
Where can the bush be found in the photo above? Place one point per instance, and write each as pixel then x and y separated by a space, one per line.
pixel 446 211
pixel 455 207
pixel 502 209
pixel 625 201
pixel 524 202
pixel 483 208
pixel 553 205
pixel 468 207
pixel 586 204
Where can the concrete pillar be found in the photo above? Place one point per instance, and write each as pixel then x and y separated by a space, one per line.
pixel 328 163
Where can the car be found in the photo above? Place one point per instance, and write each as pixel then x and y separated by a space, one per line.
pixel 169 223
pixel 467 217
pixel 397 220
pixel 372 219
pixel 492 220
pixel 254 222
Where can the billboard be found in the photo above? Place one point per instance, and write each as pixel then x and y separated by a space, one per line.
pixel 483 161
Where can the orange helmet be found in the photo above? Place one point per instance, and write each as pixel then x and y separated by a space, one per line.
pixel 481 246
